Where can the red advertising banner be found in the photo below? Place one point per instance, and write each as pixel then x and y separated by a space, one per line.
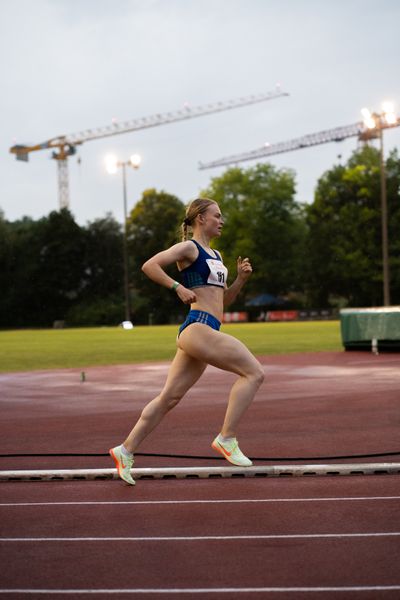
pixel 282 315
pixel 236 317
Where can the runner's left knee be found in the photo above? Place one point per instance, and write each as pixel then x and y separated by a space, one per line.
pixel 257 374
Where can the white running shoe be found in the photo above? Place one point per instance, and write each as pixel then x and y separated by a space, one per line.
pixel 123 463
pixel 231 451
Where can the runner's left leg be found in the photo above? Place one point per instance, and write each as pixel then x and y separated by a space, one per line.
pixel 226 352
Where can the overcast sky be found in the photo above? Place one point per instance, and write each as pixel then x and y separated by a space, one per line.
pixel 68 65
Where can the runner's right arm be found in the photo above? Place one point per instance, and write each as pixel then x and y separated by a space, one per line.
pixel 184 253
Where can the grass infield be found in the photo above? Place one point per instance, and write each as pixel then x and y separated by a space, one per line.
pixel 29 350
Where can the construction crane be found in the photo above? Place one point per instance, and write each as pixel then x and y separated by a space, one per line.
pixel 64 146
pixel 338 134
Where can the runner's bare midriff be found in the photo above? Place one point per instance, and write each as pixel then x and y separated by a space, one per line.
pixel 210 299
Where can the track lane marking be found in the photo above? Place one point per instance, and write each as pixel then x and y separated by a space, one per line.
pixel 201 538
pixel 232 501
pixel 225 501
pixel 231 590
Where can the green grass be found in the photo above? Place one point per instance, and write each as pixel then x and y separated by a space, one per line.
pixel 29 350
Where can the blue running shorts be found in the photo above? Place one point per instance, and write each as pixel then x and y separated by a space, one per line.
pixel 200 316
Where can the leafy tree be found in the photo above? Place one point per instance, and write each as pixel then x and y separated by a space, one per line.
pixel 6 274
pixel 101 298
pixel 14 241
pixel 153 226
pixel 46 268
pixel 263 222
pixel 103 257
pixel 53 269
pixel 345 247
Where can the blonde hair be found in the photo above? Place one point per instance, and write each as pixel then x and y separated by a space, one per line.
pixel 195 208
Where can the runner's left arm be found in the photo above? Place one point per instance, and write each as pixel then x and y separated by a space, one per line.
pixel 244 270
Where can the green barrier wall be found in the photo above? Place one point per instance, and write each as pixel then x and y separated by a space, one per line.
pixel 369 327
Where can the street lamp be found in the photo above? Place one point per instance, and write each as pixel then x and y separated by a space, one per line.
pixel 112 164
pixel 375 123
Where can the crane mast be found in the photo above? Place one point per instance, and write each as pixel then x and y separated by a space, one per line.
pixel 65 145
pixel 337 134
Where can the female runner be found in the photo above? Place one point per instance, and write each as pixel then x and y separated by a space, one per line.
pixel 199 341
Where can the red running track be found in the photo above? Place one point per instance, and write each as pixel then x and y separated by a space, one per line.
pixel 276 538
pixel 313 533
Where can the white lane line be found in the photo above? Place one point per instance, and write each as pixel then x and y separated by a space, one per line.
pixel 176 502
pixel 231 590
pixel 201 538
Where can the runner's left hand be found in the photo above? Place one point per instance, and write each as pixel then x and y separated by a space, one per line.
pixel 244 268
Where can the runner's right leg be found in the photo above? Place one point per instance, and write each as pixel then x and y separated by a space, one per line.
pixel 182 375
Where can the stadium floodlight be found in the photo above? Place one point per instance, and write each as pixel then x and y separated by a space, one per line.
pixel 369 119
pixel 389 113
pixel 135 161
pixel 112 164
pixel 366 113
pixel 375 121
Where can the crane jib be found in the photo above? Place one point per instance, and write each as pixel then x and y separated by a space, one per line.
pixel 66 144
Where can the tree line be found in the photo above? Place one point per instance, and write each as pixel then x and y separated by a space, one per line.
pixel 319 255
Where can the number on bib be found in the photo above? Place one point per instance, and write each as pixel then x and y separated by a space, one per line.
pixel 218 272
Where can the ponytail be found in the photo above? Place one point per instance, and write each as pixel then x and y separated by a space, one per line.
pixel 184 231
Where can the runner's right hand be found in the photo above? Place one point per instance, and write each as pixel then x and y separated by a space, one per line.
pixel 187 296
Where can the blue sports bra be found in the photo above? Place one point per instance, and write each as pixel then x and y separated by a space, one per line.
pixel 205 270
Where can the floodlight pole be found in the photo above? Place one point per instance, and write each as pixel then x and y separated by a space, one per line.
pixel 125 247
pixel 384 219
pixel 112 164
pixel 374 124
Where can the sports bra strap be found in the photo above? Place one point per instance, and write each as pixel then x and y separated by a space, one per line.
pixel 200 248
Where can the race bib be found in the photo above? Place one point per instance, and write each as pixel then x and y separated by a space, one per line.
pixel 218 272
